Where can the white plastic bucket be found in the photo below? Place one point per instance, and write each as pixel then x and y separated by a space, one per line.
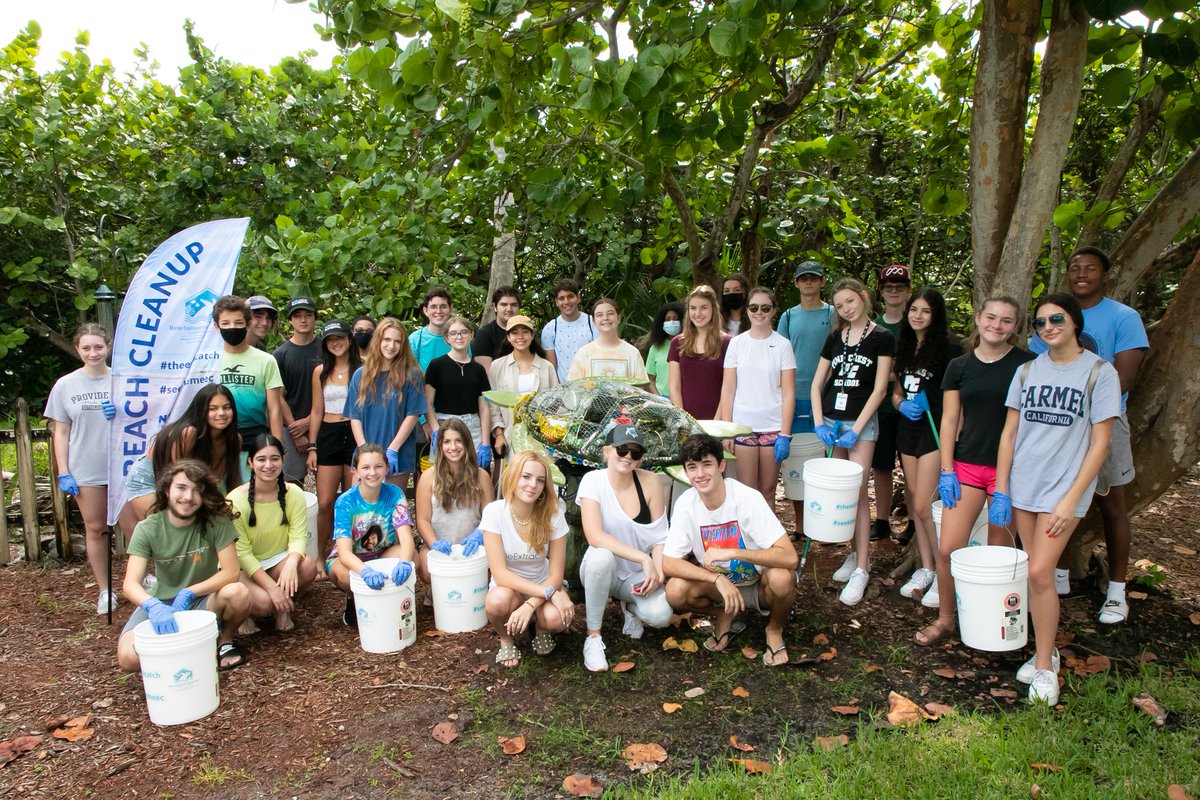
pixel 979 531
pixel 310 510
pixel 459 586
pixel 991 585
pixel 179 670
pixel 831 488
pixel 387 617
pixel 805 446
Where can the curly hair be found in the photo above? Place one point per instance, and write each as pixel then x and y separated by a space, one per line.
pixel 931 351
pixel 456 483
pixel 544 508
pixel 213 504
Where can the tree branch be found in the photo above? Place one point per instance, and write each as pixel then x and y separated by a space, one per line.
pixel 610 27
pixel 691 231
pixel 566 16
pixel 56 338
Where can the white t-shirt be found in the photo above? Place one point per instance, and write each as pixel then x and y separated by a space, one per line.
pixel 758 399
pixel 744 521
pixel 519 556
pixel 596 486
pixel 564 338
pixel 595 360
pixel 76 400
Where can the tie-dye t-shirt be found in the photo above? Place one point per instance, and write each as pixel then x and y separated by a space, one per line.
pixel 371 527
pixel 744 521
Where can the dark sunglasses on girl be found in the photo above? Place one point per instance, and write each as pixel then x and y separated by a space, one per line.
pixel 630 451
pixel 1053 319
pixel 754 308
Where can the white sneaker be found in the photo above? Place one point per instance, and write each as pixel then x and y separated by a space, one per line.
pixel 847 568
pixel 1062 586
pixel 1044 687
pixel 1114 611
pixel 931 598
pixel 633 627
pixel 593 654
pixel 920 580
pixel 107 599
pixel 149 582
pixel 1028 670
pixel 852 594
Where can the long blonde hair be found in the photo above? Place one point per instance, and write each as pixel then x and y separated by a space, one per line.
pixel 710 337
pixel 456 484
pixel 544 508
pixel 404 366
pixel 856 286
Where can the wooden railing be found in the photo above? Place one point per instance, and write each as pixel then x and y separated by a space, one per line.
pixel 27 517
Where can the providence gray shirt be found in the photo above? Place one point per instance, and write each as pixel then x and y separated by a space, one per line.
pixel 1053 434
pixel 75 400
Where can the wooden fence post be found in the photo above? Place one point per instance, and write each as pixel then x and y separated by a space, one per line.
pixel 3 524
pixel 58 502
pixel 26 483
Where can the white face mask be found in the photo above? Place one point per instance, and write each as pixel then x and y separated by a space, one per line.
pixel 672 327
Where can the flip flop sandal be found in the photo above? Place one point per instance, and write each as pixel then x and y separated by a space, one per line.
pixel 543 644
pixel 773 653
pixel 941 630
pixel 508 653
pixel 229 650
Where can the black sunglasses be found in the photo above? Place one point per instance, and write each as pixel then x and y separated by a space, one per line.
pixel 754 308
pixel 1053 319
pixel 630 451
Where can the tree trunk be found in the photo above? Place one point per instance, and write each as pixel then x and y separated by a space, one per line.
pixel 1006 39
pixel 504 249
pixel 1164 412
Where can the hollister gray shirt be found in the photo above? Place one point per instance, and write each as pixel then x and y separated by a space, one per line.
pixel 1056 428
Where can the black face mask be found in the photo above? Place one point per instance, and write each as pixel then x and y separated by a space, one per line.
pixel 233 336
pixel 732 301
pixel 363 339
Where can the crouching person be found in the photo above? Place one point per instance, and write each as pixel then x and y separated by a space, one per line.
pixel 741 556
pixel 191 539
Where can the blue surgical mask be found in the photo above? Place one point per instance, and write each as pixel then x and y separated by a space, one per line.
pixel 672 327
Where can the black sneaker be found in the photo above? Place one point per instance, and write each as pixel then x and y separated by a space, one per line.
pixel 906 535
pixel 880 529
pixel 350 615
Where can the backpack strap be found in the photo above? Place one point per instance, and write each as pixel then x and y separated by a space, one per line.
pixel 1093 376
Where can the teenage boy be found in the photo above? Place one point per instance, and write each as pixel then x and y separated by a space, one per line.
pixel 251 375
pixel 567 332
pixel 1116 333
pixel 296 359
pixel 429 341
pixel 895 283
pixel 806 326
pixel 263 316
pixel 485 347
pixel 192 544
pixel 741 559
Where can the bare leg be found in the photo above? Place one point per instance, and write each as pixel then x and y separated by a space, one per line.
pixel 747 461
pixel 1117 532
pixel 921 474
pixel 93 507
pixel 861 454
pixel 501 602
pixel 1043 599
pixel 777 591
pixel 956 530
pixel 768 474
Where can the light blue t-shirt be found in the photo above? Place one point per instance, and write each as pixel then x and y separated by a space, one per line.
pixel 807 331
pixel 427 345
pixel 1109 328
pixel 565 339
pixel 382 416
pixel 371 527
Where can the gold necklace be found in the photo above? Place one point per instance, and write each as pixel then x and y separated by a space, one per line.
pixel 518 520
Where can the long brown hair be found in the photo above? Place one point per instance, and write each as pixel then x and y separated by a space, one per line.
pixel 456 484
pixel 544 508
pixel 403 367
pixel 710 337
pixel 1014 339
pixel 212 502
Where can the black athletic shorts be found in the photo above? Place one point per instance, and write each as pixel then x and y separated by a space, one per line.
pixel 885 445
pixel 335 444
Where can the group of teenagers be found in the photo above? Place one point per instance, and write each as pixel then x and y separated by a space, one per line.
pixel 1033 428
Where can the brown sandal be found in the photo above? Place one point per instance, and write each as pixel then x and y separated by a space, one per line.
pixel 934 632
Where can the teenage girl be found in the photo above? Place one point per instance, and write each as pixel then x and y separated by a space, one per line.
pixel 523 370
pixel 80 409
pixel 735 292
pixel 668 323
pixel 608 356
pixel 759 391
pixel 1060 418
pixel 272 534
pixel 454 387
pixel 848 387
pixel 696 358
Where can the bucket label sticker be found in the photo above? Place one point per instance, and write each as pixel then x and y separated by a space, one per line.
pixel 1012 601
pixel 408 625
pixel 1013 627
pixel 406 605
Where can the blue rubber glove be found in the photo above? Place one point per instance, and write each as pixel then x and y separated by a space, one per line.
pixel 372 577
pixel 911 409
pixel 826 434
pixel 484 456
pixel 783 449
pixel 922 399
pixel 441 546
pixel 183 600
pixel 393 457
pixel 108 408
pixel 1000 510
pixel 67 484
pixel 949 489
pixel 472 543
pixel 402 572
pixel 162 616
pixel 848 439
pixel 433 437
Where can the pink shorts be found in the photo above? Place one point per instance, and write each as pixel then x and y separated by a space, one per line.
pixel 976 475
pixel 766 439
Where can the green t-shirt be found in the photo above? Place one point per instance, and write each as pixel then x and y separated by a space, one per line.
pixel 182 557
pixel 248 376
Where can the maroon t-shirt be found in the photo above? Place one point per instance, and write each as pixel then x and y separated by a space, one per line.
pixel 699 378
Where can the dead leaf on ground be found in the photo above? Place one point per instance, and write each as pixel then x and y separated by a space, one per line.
pixel 688 646
pixel 1133 595
pixel 750 652
pixel 14 748
pixel 939 709
pixel 1148 704
pixel 828 655
pixel 693 692
pixel 644 756
pixel 434 633
pixel 752 765
pixel 820 638
pixel 738 691
pixel 445 732
pixel 1184 551
pixel 73 734
pixel 1046 767
pixel 623 666
pixel 736 745
pixel 872 668
pixel 1035 791
pixel 511 746
pixel 1063 638
pixel 1177 792
pixel 849 711
pixel 828 743
pixel 902 711
pixel 1147 657
pixel 1008 694
pixel 481 668
pixel 1194 617
pixel 1091 666
pixel 580 785
pixel 105 703
pixel 946 672
pixel 671 708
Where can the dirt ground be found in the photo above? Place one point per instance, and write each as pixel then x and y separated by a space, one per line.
pixel 312 715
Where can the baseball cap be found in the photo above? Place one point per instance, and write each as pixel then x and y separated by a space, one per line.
pixel 624 433
pixel 259 302
pixel 520 319
pixel 301 303
pixel 809 268
pixel 895 272
pixel 336 327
